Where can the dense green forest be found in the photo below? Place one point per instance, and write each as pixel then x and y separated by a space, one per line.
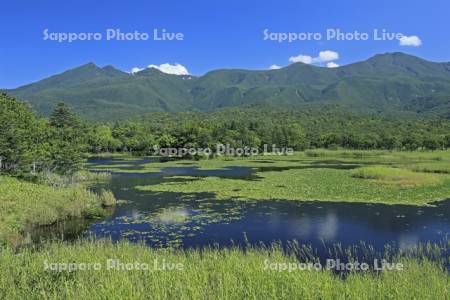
pixel 30 144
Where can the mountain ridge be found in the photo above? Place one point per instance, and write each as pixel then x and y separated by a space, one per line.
pixel 384 83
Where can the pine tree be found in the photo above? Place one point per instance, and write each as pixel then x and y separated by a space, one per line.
pixel 68 140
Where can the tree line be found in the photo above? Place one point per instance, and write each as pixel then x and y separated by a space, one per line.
pixel 32 144
pixel 330 128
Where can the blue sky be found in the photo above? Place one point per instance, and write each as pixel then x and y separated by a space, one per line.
pixel 217 33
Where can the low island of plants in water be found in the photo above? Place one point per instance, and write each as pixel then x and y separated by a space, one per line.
pixel 418 178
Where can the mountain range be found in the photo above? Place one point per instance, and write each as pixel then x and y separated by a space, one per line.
pixel 390 83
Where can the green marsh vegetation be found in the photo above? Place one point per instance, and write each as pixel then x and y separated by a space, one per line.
pixel 25 204
pixel 49 198
pixel 432 167
pixel 355 176
pixel 209 274
pixel 396 176
pixel 81 177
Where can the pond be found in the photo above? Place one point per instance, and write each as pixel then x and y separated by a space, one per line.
pixel 196 220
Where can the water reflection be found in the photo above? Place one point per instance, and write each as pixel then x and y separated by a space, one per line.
pixel 196 220
pixel 328 228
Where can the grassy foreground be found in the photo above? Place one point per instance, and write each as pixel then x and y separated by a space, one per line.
pixel 24 204
pixel 210 274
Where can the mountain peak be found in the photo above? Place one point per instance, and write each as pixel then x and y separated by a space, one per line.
pixel 395 53
pixel 396 56
pixel 88 65
pixel 149 71
pixel 399 63
pixel 109 67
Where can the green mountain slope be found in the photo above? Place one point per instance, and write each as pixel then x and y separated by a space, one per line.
pixel 385 83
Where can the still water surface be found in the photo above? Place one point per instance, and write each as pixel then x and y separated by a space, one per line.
pixel 198 220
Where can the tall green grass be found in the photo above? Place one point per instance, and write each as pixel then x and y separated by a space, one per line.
pixel 344 153
pixel 107 198
pixel 80 177
pixel 207 274
pixel 24 205
pixel 432 167
pixel 396 176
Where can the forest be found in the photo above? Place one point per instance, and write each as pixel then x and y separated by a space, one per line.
pixel 30 144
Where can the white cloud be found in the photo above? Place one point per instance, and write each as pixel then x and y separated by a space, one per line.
pixel 326 55
pixel 323 57
pixel 135 70
pixel 175 69
pixel 332 65
pixel 412 40
pixel 306 59
pixel 274 67
pixel 167 68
